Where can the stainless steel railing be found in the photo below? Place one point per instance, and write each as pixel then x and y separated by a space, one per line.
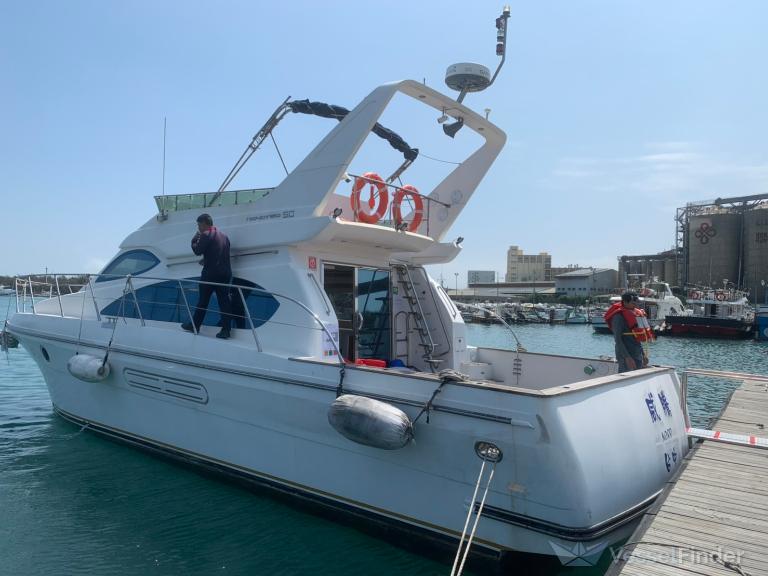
pixel 26 288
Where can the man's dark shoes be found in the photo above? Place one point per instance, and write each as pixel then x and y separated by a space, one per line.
pixel 187 326
pixel 223 334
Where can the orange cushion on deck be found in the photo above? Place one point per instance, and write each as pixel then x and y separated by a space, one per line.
pixel 371 362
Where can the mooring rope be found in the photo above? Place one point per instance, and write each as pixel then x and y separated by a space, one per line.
pixel 454 571
pixel 447 375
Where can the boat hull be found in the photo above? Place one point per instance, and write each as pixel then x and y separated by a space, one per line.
pixel 701 327
pixel 270 429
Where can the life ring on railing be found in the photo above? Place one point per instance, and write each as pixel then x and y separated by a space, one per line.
pixel 695 295
pixel 377 185
pixel 418 207
pixel 720 296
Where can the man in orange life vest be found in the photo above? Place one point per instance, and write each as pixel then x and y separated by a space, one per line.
pixel 631 331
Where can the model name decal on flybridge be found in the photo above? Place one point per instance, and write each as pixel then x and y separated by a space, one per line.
pixel 272 216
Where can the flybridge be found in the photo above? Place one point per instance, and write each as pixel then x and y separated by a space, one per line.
pixel 312 189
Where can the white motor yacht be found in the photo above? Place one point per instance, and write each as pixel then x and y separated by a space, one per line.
pixel 348 380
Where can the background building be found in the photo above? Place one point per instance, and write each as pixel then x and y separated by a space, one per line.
pixel 586 282
pixel 528 267
pixel 505 291
pixel 725 240
pixel 662 266
pixel 481 277
pixel 555 270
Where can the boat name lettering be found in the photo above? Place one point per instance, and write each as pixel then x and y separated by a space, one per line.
pixel 670 459
pixel 649 401
pixel 664 403
pixel 272 216
pixel 761 237
pixel 667 434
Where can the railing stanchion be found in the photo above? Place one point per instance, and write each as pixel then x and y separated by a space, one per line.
pixel 189 310
pixel 250 320
pixel 129 283
pixel 93 297
pixel 32 294
pixel 58 294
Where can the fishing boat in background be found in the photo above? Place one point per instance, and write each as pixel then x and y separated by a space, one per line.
pixel 5 291
pixel 577 315
pixel 655 298
pixel 658 301
pixel 716 313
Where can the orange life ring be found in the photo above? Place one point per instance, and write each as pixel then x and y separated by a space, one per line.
pixel 418 207
pixel 377 185
pixel 720 296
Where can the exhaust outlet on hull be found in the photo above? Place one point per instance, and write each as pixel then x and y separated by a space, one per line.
pixel 370 422
pixel 88 368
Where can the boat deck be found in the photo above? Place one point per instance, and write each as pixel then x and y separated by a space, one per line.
pixel 713 517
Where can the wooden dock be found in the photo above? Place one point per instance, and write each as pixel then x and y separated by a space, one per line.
pixel 712 519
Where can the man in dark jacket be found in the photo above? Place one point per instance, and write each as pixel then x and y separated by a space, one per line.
pixel 213 245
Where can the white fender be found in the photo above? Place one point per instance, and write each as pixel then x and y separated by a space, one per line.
pixel 88 368
pixel 370 422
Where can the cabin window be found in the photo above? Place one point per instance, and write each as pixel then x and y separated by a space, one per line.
pixel 133 262
pixel 164 302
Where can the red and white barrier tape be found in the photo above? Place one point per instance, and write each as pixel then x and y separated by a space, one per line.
pixel 728 438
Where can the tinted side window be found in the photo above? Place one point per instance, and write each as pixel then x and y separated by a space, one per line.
pixel 133 262
pixel 164 302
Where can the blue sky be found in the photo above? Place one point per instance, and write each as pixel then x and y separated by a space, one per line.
pixel 616 112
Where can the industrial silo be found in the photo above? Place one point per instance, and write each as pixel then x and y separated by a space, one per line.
pixel 670 271
pixel 657 269
pixel 756 252
pixel 713 248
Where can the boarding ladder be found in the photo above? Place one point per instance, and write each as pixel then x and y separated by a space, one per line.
pixel 405 280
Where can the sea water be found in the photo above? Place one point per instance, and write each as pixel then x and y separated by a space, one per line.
pixel 74 503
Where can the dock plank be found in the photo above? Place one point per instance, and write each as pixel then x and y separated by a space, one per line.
pixel 716 504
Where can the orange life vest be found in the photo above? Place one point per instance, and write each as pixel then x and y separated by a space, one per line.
pixel 636 320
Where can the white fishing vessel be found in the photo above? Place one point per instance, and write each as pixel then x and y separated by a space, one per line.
pixel 336 307
pixel 5 291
